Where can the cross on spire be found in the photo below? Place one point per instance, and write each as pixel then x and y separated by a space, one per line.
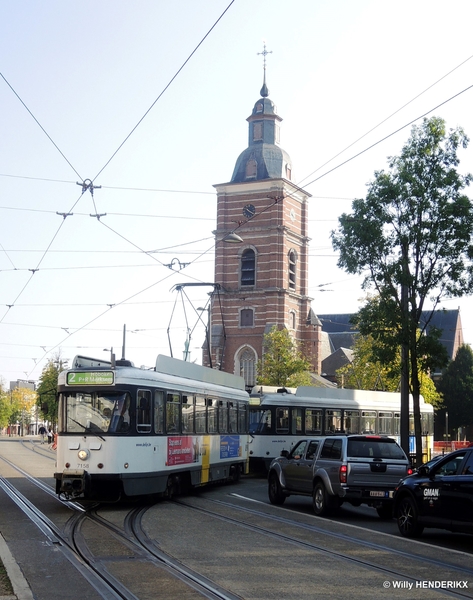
pixel 264 90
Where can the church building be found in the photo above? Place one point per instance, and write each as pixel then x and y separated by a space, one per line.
pixel 261 281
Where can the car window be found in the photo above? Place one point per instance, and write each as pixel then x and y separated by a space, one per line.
pixel 311 451
pixel 467 468
pixel 298 450
pixel 373 448
pixel 450 466
pixel 332 448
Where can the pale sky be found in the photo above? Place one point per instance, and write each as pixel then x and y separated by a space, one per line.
pixel 77 79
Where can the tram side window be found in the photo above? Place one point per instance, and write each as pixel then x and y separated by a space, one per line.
pixel 242 417
pixel 173 405
pixel 397 423
pixel 368 421
pixel 187 414
pixel 159 412
pixel 296 425
pixel 143 412
pixel 411 424
pixel 333 421
pixel 232 417
pixel 426 421
pixel 222 416
pixel 212 415
pixel 385 421
pixel 282 420
pixel 313 421
pixel 352 421
pixel 200 412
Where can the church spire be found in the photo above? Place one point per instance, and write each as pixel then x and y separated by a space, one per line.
pixel 264 90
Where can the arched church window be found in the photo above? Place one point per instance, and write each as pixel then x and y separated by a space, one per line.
pixel 248 267
pixel 251 169
pixel 247 365
pixel 292 270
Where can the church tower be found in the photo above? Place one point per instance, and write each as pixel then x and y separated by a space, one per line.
pixel 262 280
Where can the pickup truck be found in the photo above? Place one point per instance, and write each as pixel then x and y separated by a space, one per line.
pixel 359 469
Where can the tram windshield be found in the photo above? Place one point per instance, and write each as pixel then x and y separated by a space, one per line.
pixel 260 420
pixel 94 413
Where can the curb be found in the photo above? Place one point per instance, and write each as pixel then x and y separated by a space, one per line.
pixel 20 586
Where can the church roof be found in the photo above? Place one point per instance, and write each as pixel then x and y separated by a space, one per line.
pixel 342 332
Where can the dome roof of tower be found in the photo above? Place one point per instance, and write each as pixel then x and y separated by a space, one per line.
pixel 271 161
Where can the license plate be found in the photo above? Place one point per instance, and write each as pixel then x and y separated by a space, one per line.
pixel 378 494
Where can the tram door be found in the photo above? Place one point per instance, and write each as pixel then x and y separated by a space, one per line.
pixel 204 478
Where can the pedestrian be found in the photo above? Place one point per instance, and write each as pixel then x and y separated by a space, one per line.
pixel 42 433
pixel 50 435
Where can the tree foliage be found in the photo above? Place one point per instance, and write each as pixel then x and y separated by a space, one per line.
pixel 411 238
pixel 457 389
pixel 283 364
pixel 47 388
pixel 368 372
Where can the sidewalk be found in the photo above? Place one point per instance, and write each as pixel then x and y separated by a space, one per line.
pixel 17 581
pixel 21 589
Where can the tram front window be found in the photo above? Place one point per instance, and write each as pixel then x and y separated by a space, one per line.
pixel 260 421
pixel 93 412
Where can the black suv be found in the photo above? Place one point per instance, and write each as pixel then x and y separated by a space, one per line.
pixel 439 495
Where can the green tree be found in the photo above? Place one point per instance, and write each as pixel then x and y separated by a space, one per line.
pixel 5 405
pixel 367 372
pixel 457 389
pixel 22 402
pixel 283 364
pixel 47 387
pixel 411 238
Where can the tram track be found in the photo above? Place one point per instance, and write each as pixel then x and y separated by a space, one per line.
pixel 356 548
pixel 75 545
pixel 192 543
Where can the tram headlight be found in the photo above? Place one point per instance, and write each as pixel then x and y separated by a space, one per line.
pixel 83 455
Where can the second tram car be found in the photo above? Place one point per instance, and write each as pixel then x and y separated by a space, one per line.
pixel 125 431
pixel 278 418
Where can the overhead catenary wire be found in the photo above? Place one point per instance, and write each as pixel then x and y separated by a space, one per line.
pixel 164 90
pixel 212 246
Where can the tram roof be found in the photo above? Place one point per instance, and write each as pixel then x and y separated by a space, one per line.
pixel 169 371
pixel 333 398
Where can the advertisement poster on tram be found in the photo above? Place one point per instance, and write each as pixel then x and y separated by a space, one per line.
pixel 230 446
pixel 182 450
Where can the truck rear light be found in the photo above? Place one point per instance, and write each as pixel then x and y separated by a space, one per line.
pixel 410 470
pixel 343 474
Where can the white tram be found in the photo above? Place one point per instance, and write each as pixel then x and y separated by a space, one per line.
pixel 278 418
pixel 125 431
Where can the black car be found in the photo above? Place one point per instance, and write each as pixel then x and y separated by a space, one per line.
pixel 439 495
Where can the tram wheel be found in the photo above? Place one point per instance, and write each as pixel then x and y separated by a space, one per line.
pixel 235 473
pixel 172 487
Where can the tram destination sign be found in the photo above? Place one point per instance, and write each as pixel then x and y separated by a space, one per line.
pixel 91 378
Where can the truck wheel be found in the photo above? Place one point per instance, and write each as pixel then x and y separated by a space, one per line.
pixel 322 501
pixel 407 518
pixel 275 493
